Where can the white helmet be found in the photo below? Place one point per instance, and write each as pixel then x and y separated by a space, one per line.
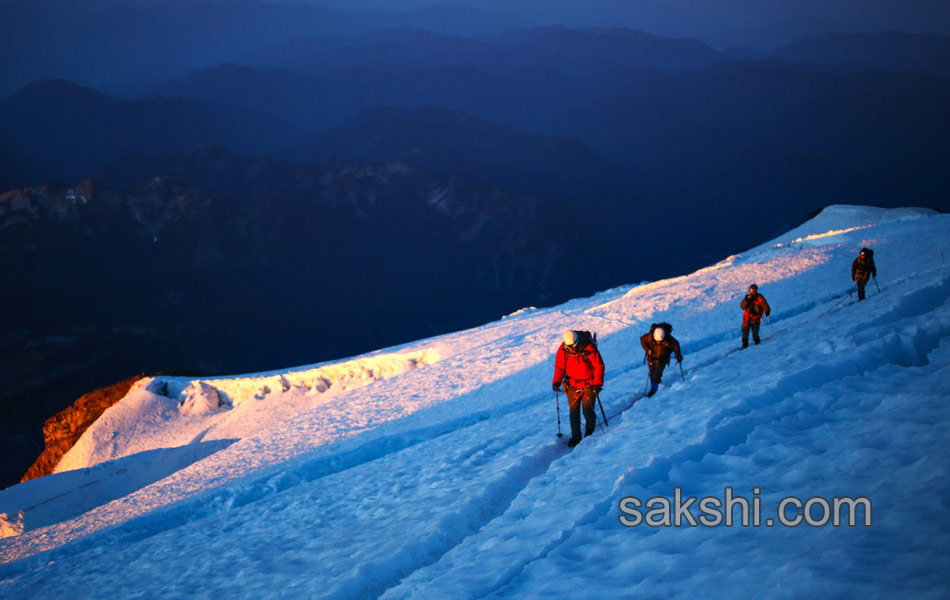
pixel 659 334
pixel 570 338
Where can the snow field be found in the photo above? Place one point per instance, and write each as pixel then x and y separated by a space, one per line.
pixel 447 481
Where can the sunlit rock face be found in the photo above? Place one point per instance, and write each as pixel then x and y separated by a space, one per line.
pixel 62 430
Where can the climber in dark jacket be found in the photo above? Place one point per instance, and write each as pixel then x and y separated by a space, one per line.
pixel 754 306
pixel 659 345
pixel 579 366
pixel 862 269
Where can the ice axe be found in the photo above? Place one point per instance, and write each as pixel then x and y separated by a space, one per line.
pixel 557 400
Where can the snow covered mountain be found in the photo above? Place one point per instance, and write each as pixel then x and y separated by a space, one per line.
pixel 433 470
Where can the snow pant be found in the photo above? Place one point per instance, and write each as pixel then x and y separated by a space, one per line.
pixel 750 325
pixel 581 398
pixel 862 280
pixel 656 370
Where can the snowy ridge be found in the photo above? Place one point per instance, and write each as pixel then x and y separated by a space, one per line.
pixel 164 404
pixel 345 376
pixel 447 481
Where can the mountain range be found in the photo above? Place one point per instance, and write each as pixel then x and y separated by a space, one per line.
pixel 73 130
pixel 104 42
pixel 589 52
pixel 492 154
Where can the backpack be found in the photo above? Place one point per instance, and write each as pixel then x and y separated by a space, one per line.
pixel 868 252
pixel 583 339
pixel 580 348
pixel 755 309
pixel 664 326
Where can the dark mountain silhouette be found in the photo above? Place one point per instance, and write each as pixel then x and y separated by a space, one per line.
pixel 72 130
pixel 443 141
pixel 106 41
pixel 310 102
pixel 324 102
pixel 893 51
pixel 711 141
pixel 115 44
pixel 599 49
pixel 401 49
pixel 580 52
pixel 516 78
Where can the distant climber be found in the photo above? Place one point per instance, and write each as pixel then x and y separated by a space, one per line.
pixel 659 345
pixel 580 368
pixel 862 269
pixel 754 306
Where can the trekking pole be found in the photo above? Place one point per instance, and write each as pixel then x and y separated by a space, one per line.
pixel 769 319
pixel 557 399
pixel 644 357
pixel 602 413
pixel 680 363
pixel 877 286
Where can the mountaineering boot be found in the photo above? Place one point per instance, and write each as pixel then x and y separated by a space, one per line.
pixel 653 387
pixel 573 442
pixel 745 343
pixel 589 430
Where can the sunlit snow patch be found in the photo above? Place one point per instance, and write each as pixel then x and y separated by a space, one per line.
pixel 208 396
pixel 521 311
pixel 11 525
pixel 820 236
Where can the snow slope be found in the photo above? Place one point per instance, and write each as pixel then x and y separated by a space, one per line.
pixel 432 470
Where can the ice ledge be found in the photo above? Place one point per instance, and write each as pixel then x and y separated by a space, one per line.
pixel 227 392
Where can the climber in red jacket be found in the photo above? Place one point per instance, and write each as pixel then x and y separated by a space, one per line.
pixel 580 368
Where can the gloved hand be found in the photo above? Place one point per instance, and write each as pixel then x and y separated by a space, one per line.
pixel 678 360
pixel 556 386
pixel 597 388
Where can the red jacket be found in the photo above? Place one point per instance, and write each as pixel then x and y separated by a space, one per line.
pixel 583 367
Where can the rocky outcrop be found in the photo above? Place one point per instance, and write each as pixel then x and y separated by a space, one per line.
pixel 63 430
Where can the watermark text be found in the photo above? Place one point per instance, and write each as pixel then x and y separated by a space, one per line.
pixel 731 510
